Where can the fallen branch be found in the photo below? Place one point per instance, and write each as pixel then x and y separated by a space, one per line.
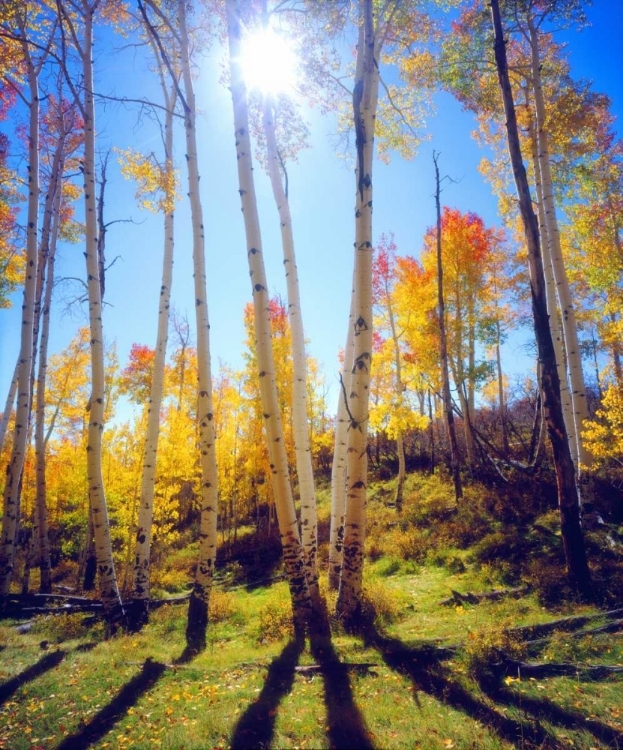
pixel 563 669
pixel 320 668
pixel 471 598
pixel 565 624
pixel 612 627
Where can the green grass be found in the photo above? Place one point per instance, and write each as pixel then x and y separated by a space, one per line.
pixel 412 696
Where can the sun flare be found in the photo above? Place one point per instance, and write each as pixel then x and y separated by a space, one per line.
pixel 268 62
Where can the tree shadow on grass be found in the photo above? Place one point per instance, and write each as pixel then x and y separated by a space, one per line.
pixel 346 725
pixel 547 710
pixel 49 661
pixel 106 719
pixel 427 672
pixel 256 727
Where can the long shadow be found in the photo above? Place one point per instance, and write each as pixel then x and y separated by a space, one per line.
pixel 256 727
pixel 49 661
pixel 542 708
pixel 106 719
pixel 347 727
pixel 425 668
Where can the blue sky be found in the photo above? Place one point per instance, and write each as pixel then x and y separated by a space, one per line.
pixel 322 198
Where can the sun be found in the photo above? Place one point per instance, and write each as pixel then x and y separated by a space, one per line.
pixel 268 62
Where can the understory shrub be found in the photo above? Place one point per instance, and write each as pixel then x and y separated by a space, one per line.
pixel 485 650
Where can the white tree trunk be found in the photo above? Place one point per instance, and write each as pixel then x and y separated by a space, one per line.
pixel 552 303
pixel 8 406
pixel 200 598
pixel 14 469
pixel 365 97
pixel 338 468
pixel 50 238
pixel 300 420
pixel 293 555
pixel 569 324
pixel 103 548
pixel 142 551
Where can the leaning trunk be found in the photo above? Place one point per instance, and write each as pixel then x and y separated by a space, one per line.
pixel 294 558
pixel 302 448
pixel 573 542
pixel 569 324
pixel 43 541
pixel 8 406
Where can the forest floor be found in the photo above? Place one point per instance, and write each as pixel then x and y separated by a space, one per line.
pixel 438 666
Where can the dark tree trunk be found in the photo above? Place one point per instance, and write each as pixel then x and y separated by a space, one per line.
pixel 573 541
pixel 447 397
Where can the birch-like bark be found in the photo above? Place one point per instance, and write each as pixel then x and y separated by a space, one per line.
pixel 300 418
pixel 365 97
pixel 569 324
pixel 399 389
pixel 139 612
pixel 204 576
pixel 8 405
pixel 552 303
pixel 573 542
pixel 11 506
pixel 338 468
pixel 42 544
pixel 293 555
pixel 443 346
pixel 107 578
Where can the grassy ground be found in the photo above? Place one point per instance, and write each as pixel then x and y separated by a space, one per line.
pixel 425 675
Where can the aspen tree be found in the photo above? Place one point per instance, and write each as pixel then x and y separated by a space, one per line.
pixel 445 375
pixel 293 554
pixel 53 206
pixel 138 613
pixel 573 542
pixel 200 597
pixel 338 467
pixel 567 311
pixel 365 97
pixel 11 507
pixel 8 405
pixel 77 20
pixel 302 447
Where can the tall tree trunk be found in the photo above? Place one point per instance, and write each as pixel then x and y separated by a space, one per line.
pixel 365 97
pixel 101 529
pixel 552 304
pixel 200 597
pixel 14 469
pixel 43 541
pixel 573 542
pixel 569 324
pixel 302 447
pixel 139 611
pixel 445 371
pixel 338 467
pixel 294 558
